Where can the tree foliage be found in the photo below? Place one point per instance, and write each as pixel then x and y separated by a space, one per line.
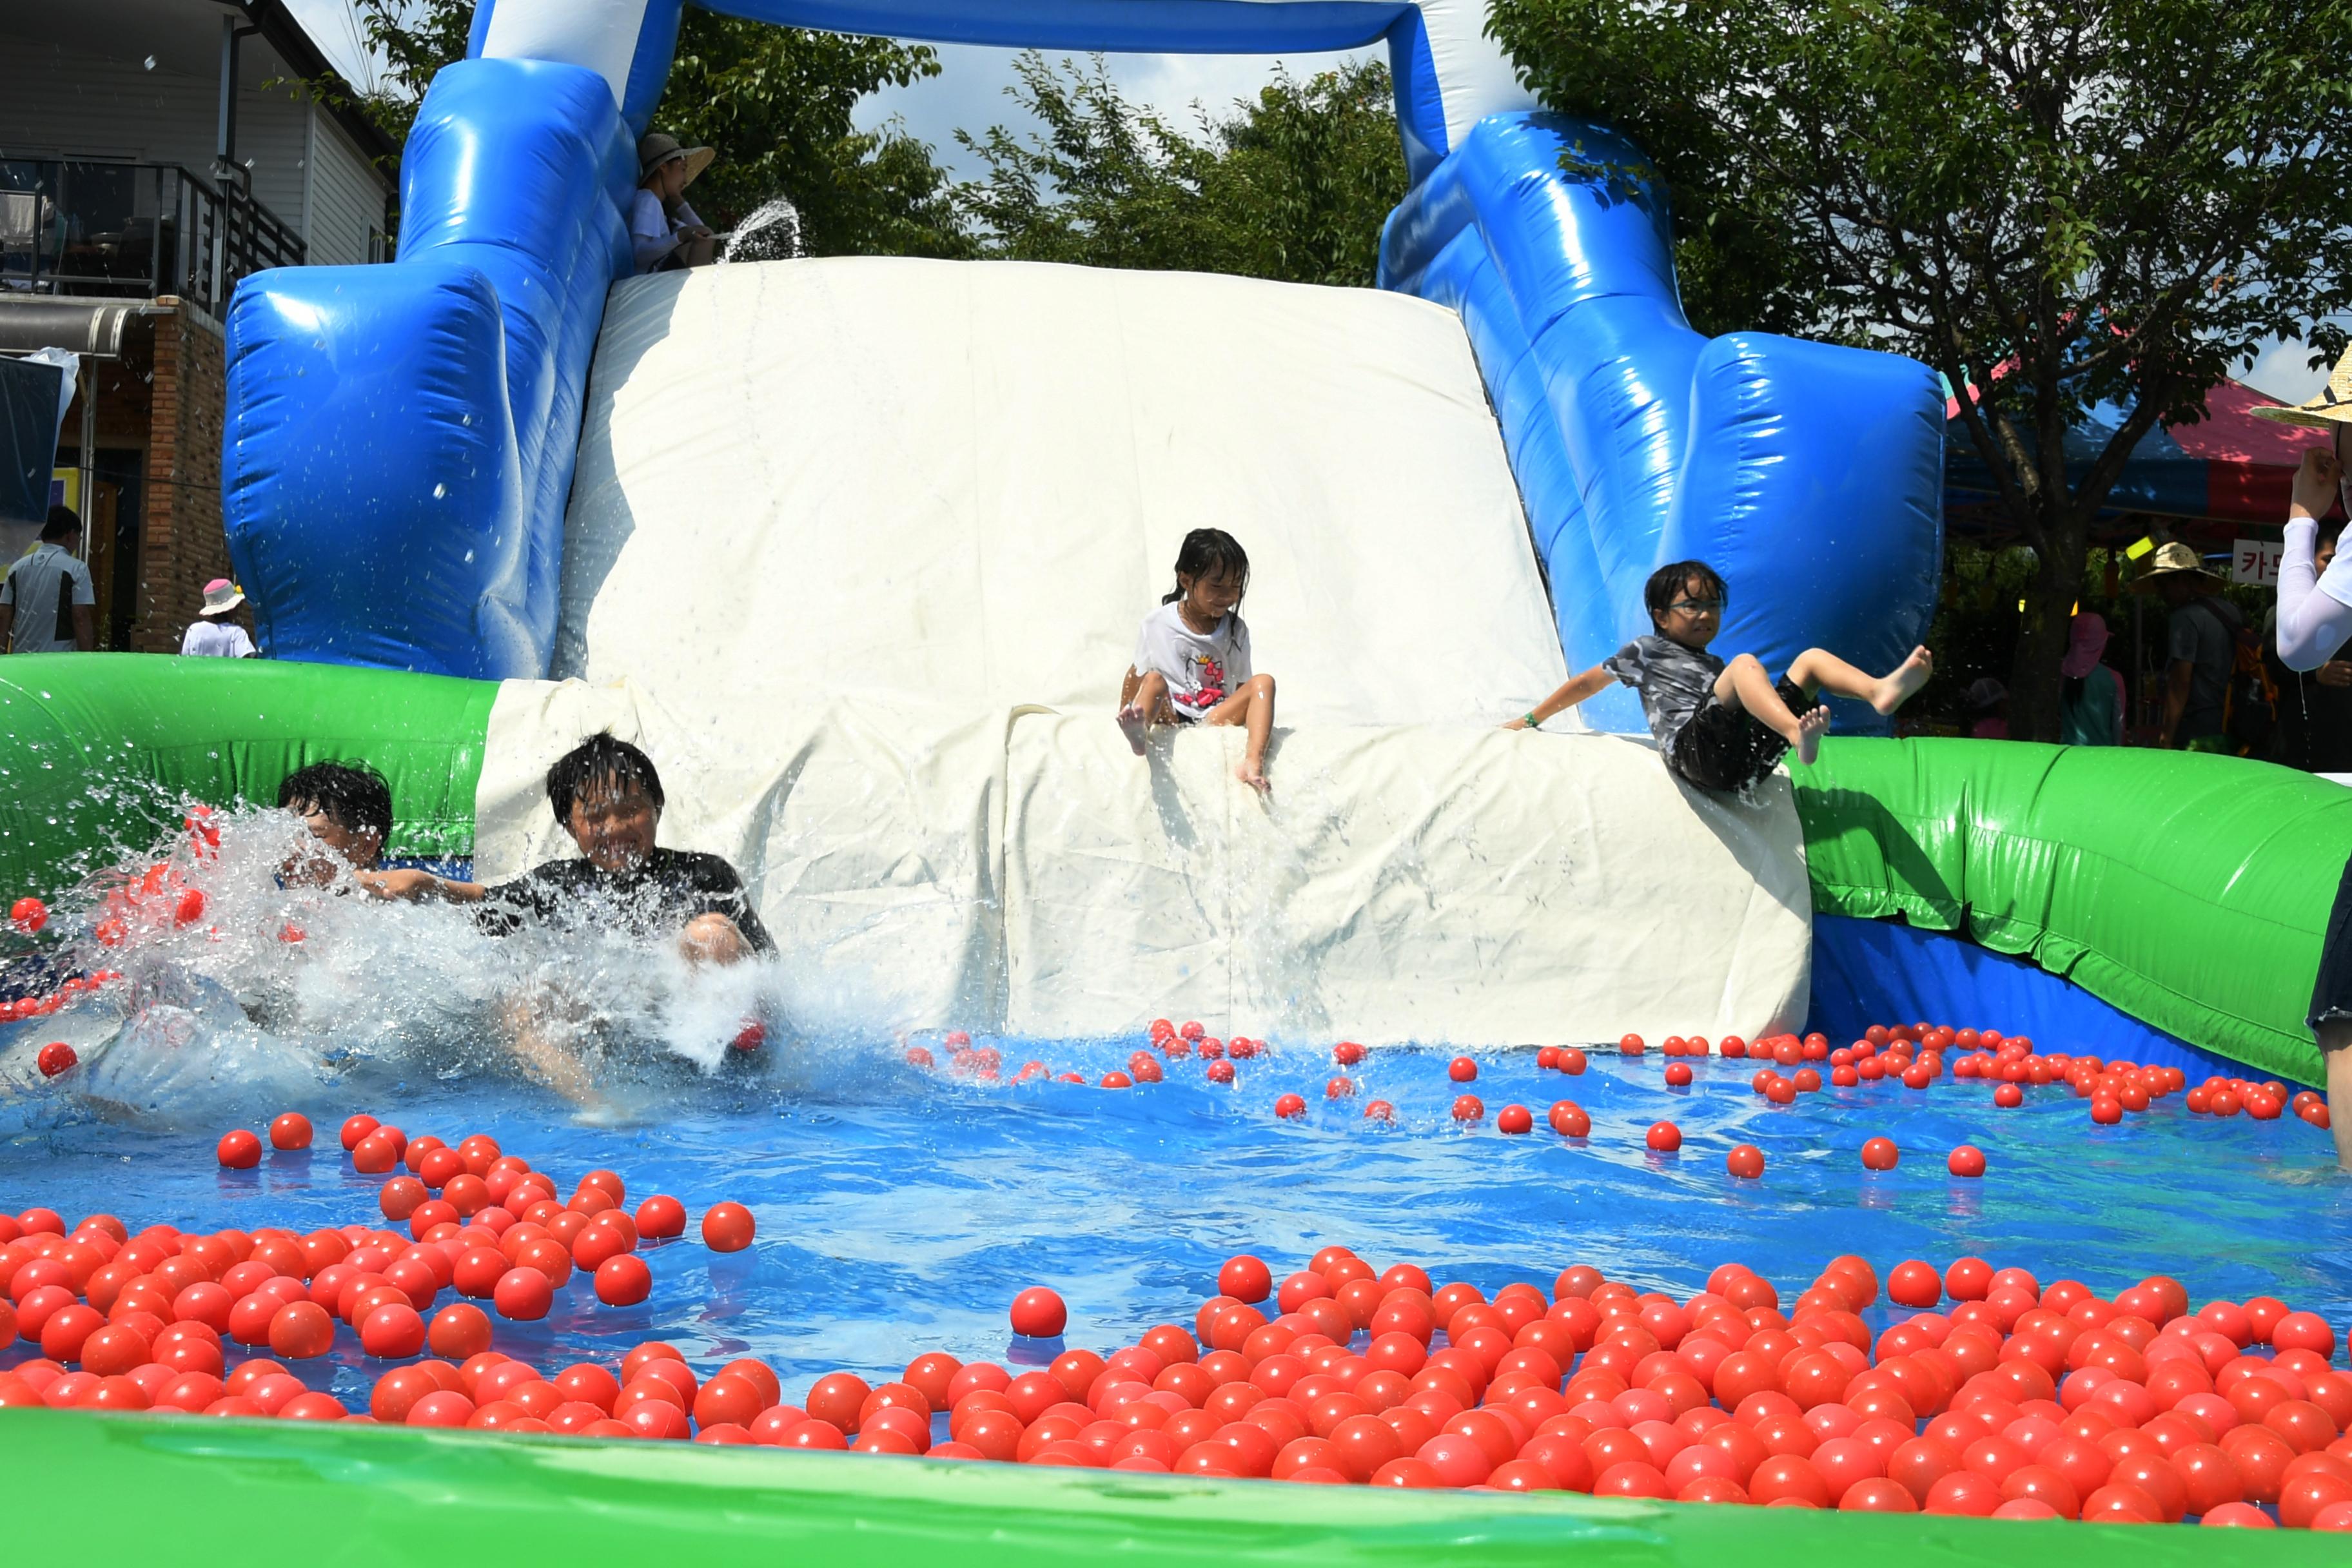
pixel 1292 185
pixel 774 101
pixel 2056 203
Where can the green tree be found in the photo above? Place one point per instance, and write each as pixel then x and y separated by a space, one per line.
pixel 1294 187
pixel 775 102
pixel 2058 202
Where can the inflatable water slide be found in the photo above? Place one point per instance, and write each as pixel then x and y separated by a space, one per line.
pixel 857 547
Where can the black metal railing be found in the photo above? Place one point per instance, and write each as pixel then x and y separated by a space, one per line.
pixel 97 227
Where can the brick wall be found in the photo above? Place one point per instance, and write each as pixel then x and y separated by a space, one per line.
pixel 181 545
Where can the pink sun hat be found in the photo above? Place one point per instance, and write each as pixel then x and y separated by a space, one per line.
pixel 221 596
pixel 2087 639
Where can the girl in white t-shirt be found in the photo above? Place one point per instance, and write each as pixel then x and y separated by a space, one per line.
pixel 1193 658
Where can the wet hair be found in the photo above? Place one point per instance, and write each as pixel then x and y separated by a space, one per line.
pixel 1667 582
pixel 600 760
pixel 351 795
pixel 63 523
pixel 1209 553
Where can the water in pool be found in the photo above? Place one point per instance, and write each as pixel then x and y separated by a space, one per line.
pixel 899 1210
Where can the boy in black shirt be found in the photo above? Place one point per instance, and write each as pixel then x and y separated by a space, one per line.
pixel 608 796
pixel 1724 726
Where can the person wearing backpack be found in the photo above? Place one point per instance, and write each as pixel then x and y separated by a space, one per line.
pixel 2208 644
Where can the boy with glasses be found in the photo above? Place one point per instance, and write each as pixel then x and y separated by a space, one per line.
pixel 1724 726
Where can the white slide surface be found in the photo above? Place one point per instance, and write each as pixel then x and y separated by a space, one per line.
pixel 857 548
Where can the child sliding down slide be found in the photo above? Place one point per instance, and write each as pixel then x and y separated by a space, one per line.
pixel 1193 658
pixel 1718 726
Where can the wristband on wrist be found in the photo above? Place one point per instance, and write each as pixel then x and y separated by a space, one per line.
pixel 1533 722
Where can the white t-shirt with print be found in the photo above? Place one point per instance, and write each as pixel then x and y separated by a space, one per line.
pixel 1201 670
pixel 217 639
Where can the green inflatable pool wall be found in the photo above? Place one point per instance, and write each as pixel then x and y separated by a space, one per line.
pixel 2189 891
pixel 97 750
pixel 205 1491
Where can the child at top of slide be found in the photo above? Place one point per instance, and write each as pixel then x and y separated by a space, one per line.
pixel 1193 658
pixel 1724 726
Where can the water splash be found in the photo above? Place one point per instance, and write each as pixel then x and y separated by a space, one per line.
pixel 771 232
pixel 241 987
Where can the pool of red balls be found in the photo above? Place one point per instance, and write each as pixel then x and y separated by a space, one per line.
pixel 1987 1392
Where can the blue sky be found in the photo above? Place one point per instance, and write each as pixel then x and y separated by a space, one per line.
pixel 969 93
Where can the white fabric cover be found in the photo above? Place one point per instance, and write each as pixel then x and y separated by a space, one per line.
pixel 857 550
pixel 966 481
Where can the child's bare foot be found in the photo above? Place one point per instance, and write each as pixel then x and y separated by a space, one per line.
pixel 1132 724
pixel 1903 683
pixel 1812 725
pixel 1254 775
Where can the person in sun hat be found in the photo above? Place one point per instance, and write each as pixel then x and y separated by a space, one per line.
pixel 2091 702
pixel 213 635
pixel 665 233
pixel 2314 620
pixel 2201 642
pixel 2315 609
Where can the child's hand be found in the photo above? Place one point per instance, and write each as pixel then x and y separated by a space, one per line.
pixel 1519 723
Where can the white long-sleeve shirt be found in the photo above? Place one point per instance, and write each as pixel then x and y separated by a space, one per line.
pixel 653 232
pixel 2314 608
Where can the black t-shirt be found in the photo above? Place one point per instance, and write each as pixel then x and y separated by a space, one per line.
pixel 656 899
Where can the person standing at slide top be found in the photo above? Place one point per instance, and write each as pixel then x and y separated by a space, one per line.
pixel 1723 727
pixel 665 234
pixel 2314 620
pixel 608 796
pixel 1192 657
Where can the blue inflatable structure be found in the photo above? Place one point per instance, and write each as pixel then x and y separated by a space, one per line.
pixel 400 438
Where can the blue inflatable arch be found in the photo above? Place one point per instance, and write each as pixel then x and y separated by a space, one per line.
pixel 400 439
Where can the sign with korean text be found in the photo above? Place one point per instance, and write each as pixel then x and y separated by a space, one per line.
pixel 2256 561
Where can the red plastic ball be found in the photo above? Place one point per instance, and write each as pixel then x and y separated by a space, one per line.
pixel 1570 1120
pixel 390 1331
pixel 1678 1074
pixel 660 1217
pixel 1966 1161
pixel 1245 1279
pixel 1880 1154
pixel 55 1058
pixel 291 1130
pixel 1664 1137
pixel 1461 1069
pixel 624 1280
pixel 523 1295
pixel 1039 1313
pixel 240 1150
pixel 1746 1160
pixel 726 1227
pixel 28 915
pixel 1291 1105
pixel 1514 1118
pixel 1630 1045
pixel 1469 1108
pixel 458 1331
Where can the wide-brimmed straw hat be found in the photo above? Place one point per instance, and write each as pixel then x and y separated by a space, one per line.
pixel 2174 559
pixel 221 596
pixel 2333 407
pixel 658 147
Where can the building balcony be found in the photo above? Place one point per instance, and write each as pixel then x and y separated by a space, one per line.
pixel 101 228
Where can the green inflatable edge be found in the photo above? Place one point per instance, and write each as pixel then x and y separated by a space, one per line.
pixel 205 1491
pixel 2189 890
pixel 100 751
